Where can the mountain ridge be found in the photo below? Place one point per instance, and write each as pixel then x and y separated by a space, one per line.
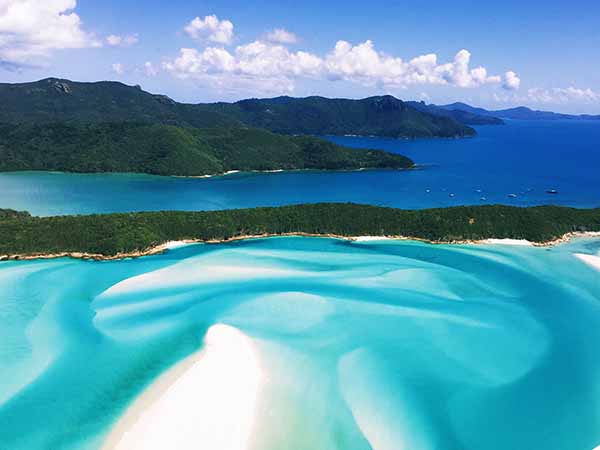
pixel 57 99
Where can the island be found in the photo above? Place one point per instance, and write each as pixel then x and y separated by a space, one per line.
pixel 174 150
pixel 119 235
pixel 60 100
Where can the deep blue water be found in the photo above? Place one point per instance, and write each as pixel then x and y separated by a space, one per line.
pixel 522 158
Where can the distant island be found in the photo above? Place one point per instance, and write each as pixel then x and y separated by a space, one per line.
pixel 518 113
pixel 137 234
pixel 466 116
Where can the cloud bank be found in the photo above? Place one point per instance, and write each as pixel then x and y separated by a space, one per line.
pixel 270 66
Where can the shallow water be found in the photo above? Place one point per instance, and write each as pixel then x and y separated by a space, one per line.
pixel 521 158
pixel 382 345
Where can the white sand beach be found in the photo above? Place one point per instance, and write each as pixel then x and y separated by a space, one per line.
pixel 207 401
pixel 370 238
pixel 522 242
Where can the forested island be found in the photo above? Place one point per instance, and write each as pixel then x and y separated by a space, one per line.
pixel 173 150
pixel 122 234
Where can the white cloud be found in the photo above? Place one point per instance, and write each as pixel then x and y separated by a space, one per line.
pixel 211 28
pixel 281 36
pixel 118 68
pixel 33 29
pixel 259 65
pixel 122 41
pixel 274 66
pixel 363 64
pixel 511 81
pixel 150 70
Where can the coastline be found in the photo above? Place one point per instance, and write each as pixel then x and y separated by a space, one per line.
pixel 233 172
pixel 165 246
pixel 213 175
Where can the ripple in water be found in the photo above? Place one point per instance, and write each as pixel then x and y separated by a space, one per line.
pixel 310 343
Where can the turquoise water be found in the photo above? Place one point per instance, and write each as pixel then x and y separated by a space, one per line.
pixel 521 158
pixel 382 345
pixel 374 345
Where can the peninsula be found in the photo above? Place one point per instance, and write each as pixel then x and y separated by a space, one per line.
pixel 172 150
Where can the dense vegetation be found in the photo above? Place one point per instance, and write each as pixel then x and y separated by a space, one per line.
pixel 111 234
pixel 374 116
pixel 171 150
pixel 54 100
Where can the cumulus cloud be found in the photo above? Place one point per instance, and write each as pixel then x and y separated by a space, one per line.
pixel 122 41
pixel 33 29
pixel 511 81
pixel 281 36
pixel 259 65
pixel 118 68
pixel 363 64
pixel 273 65
pixel 210 28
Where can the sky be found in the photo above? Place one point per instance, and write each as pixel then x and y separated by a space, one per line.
pixel 542 54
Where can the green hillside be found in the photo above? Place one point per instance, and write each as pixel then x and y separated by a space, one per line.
pixel 170 150
pixel 56 100
pixel 374 116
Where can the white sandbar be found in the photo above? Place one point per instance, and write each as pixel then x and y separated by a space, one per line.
pixel 207 401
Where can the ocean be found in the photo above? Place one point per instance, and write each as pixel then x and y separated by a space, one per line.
pixel 314 342
pixel 514 164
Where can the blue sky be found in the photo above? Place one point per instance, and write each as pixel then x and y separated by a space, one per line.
pixel 542 54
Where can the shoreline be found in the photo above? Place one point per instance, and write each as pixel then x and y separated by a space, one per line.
pixel 233 172
pixel 213 175
pixel 165 246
